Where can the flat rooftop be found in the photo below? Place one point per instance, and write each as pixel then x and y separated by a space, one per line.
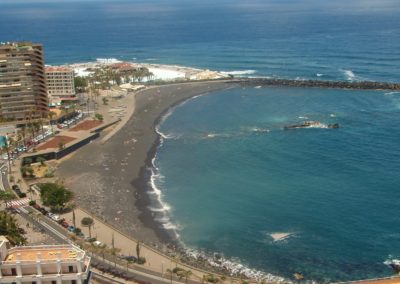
pixel 46 253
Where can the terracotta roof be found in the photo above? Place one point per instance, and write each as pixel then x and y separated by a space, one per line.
pixel 49 253
pixel 57 69
pixel 122 65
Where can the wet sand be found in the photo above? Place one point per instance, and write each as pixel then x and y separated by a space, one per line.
pixel 110 179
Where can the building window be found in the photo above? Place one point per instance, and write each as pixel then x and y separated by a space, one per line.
pixel 54 282
pixel 13 271
pixel 70 269
pixel 73 281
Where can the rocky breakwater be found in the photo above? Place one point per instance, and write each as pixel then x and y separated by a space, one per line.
pixel 364 85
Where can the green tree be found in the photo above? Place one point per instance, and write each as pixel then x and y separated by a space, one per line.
pixel 9 228
pixel 105 101
pixel 61 146
pixel 88 222
pixel 41 160
pixel 55 195
pixel 6 196
pixel 98 116
pixel 80 83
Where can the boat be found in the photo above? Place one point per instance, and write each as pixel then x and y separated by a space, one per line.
pixel 311 124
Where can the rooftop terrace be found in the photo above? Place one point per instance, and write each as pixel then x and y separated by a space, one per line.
pixel 44 253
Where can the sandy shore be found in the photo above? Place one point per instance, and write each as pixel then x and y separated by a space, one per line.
pixel 110 179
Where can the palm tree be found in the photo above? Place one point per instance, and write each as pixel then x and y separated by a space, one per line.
pixel 170 273
pixel 51 115
pixel 88 222
pixel 23 134
pixel 114 252
pixel 7 149
pixel 138 249
pixel 188 273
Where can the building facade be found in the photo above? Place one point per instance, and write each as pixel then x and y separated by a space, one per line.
pixel 48 264
pixel 23 90
pixel 60 82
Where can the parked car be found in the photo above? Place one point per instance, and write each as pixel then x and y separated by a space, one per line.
pixel 71 229
pixel 65 224
pixel 36 206
pixel 129 258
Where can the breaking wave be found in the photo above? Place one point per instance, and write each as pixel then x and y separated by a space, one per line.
pixel 234 266
pixel 350 76
pixel 239 72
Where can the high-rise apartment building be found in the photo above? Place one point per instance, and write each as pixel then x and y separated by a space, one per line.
pixel 23 90
pixel 60 82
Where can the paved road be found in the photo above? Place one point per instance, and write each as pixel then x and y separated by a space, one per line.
pixel 62 236
pixel 3 176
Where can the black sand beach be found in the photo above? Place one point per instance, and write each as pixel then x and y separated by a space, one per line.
pixel 110 180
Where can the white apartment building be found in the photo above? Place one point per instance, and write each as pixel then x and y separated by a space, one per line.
pixel 48 264
pixel 60 82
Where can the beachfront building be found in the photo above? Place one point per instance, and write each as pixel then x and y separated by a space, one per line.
pixel 23 91
pixel 60 83
pixel 48 264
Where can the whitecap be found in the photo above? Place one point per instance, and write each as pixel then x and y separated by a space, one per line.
pixel 234 266
pixel 171 226
pixel 391 93
pixel 258 129
pixel 165 207
pixel 350 76
pixel 239 72
pixel 107 60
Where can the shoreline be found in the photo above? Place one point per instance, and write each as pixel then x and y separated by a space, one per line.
pixel 98 184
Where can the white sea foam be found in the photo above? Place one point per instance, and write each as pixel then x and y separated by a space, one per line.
pixel 171 226
pixel 319 74
pixel 239 72
pixel 258 129
pixel 165 207
pixel 107 60
pixel 235 267
pixel 391 93
pixel 350 76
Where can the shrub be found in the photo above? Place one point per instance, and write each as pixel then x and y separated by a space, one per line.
pixel 141 260
pixel 32 202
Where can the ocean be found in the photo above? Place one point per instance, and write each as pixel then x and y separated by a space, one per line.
pixel 230 177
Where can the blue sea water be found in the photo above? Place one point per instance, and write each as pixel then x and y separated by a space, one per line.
pixel 232 177
pixel 342 40
pixel 229 182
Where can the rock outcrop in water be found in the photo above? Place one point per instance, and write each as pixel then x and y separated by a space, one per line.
pixel 365 85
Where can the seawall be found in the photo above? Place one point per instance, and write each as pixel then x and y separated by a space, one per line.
pixel 364 85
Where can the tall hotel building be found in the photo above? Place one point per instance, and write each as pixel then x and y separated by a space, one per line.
pixel 23 91
pixel 60 82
